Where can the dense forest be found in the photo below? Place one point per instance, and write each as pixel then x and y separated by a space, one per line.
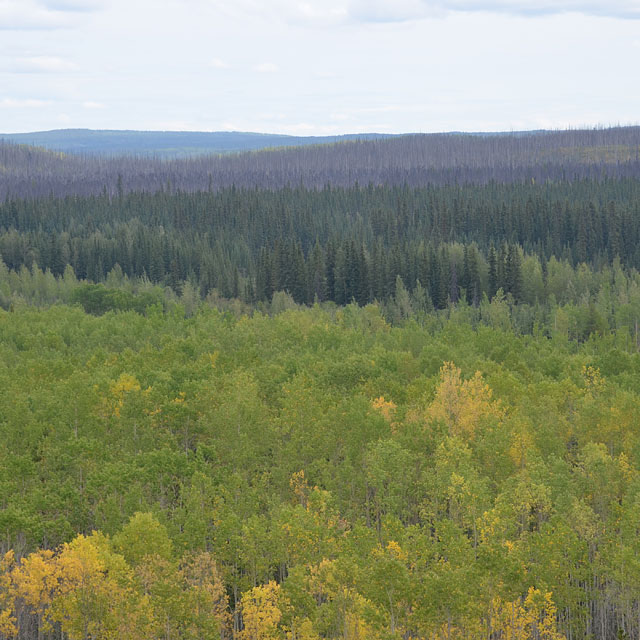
pixel 378 390
pixel 315 474
pixel 541 245
pixel 415 160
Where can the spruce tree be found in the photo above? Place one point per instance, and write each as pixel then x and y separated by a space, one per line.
pixel 493 272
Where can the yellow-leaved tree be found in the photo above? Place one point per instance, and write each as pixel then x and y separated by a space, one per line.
pixel 262 612
pixel 386 408
pixel 463 405
pixel 35 582
pixel 119 390
pixel 530 618
pixel 7 619
pixel 95 596
pixel 83 588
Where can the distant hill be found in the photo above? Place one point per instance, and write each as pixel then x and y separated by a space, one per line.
pixel 168 144
pixel 415 160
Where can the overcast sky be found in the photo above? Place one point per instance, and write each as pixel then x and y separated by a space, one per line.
pixel 315 67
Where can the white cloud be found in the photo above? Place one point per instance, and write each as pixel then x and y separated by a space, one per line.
pixel 217 63
pixel 305 128
pixel 89 104
pixel 393 11
pixel 173 125
pixel 43 64
pixel 266 67
pixel 319 13
pixel 401 10
pixel 611 8
pixel 271 116
pixel 28 103
pixel 17 15
pixel 73 5
pixel 316 66
pixel 308 12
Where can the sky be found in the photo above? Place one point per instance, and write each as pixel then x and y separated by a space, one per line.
pixel 318 67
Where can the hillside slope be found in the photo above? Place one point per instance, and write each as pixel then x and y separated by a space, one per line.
pixel 415 160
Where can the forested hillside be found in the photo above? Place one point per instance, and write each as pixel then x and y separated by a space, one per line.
pixel 415 160
pixel 377 390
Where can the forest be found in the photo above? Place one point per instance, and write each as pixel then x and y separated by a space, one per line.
pixel 360 410
pixel 415 160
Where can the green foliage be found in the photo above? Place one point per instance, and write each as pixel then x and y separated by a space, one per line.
pixel 143 535
pixel 414 249
pixel 98 299
pixel 340 473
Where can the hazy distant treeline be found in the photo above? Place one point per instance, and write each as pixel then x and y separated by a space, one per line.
pixel 168 144
pixel 414 160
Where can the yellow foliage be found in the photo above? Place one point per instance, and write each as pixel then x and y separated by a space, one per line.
pixel 91 592
pixel 118 391
pixel 7 619
pixel 625 467
pixel 521 445
pixel 261 612
pixel 84 587
pixel 396 551
pixel 385 407
pixel 593 380
pixel 533 618
pixel 299 486
pixel 462 405
pixel 35 581
pixel 393 551
pixel 124 384
pixel 86 594
pixel 356 628
pixel 7 624
pixel 79 562
pixel 7 563
pixel 180 399
pixel 322 579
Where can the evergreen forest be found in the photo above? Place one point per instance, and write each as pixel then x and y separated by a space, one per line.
pixel 379 389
